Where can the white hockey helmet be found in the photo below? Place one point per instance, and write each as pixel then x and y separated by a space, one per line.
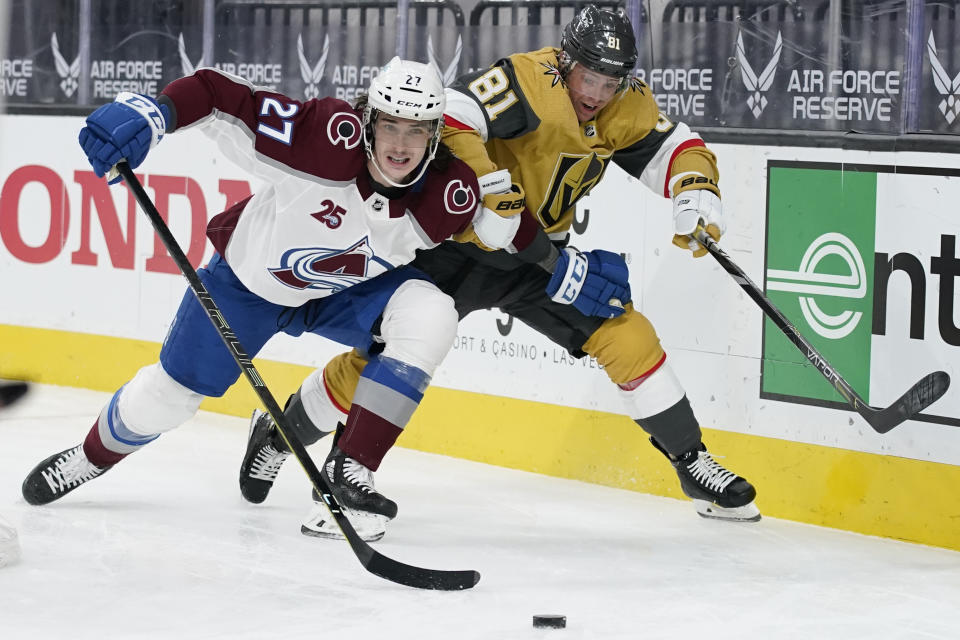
pixel 405 89
pixel 408 89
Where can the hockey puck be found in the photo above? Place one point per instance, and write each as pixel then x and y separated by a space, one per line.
pixel 549 622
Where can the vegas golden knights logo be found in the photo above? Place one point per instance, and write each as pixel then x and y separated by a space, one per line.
pixel 573 177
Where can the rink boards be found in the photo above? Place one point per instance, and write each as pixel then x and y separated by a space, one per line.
pixel 858 248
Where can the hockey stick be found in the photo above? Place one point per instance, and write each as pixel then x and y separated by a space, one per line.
pixel 374 562
pixel 921 395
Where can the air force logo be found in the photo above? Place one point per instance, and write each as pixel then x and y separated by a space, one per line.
pixel 186 67
pixel 946 86
pixel 450 74
pixel 330 270
pixel 312 75
pixel 69 73
pixel 758 85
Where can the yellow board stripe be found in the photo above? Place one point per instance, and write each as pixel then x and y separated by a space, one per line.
pixel 878 495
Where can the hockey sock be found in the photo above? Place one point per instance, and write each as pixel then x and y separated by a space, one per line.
pixel 110 439
pixel 303 427
pixel 388 393
pixel 97 453
pixel 656 401
pixel 676 428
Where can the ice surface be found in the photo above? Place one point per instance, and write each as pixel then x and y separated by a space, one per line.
pixel 163 546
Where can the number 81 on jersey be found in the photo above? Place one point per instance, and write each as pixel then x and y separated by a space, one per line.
pixel 488 87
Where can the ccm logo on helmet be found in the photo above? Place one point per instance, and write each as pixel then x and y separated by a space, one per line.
pixel 404 103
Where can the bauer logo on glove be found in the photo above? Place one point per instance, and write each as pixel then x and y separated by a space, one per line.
pixel 498 219
pixel 506 203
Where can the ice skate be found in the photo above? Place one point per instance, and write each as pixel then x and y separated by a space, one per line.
pixel 58 475
pixel 716 492
pixel 266 452
pixel 352 484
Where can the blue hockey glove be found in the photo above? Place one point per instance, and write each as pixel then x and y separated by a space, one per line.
pixel 126 128
pixel 597 282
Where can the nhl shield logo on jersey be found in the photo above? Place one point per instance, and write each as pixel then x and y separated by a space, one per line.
pixel 459 198
pixel 344 128
pixel 331 270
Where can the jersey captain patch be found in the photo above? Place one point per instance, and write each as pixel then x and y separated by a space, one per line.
pixel 326 269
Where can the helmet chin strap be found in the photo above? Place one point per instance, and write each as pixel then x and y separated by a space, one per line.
pixel 383 174
pixel 372 157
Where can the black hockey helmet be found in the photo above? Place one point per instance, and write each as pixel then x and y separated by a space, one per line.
pixel 602 40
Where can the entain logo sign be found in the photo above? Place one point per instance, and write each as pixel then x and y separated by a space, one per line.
pixel 758 85
pixel 820 224
pixel 946 86
pixel 809 281
pixel 823 270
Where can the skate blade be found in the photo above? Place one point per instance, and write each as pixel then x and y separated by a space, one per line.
pixel 318 524
pixel 746 513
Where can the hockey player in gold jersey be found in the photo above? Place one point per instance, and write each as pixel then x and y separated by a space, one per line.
pixel 556 119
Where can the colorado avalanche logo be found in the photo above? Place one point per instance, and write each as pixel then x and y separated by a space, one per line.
pixel 459 198
pixel 344 128
pixel 330 270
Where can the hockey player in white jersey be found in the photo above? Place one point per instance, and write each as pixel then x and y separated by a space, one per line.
pixel 351 193
pixel 557 119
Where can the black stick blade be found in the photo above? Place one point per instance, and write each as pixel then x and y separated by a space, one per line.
pixel 419 578
pixel 928 390
pixel 11 392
